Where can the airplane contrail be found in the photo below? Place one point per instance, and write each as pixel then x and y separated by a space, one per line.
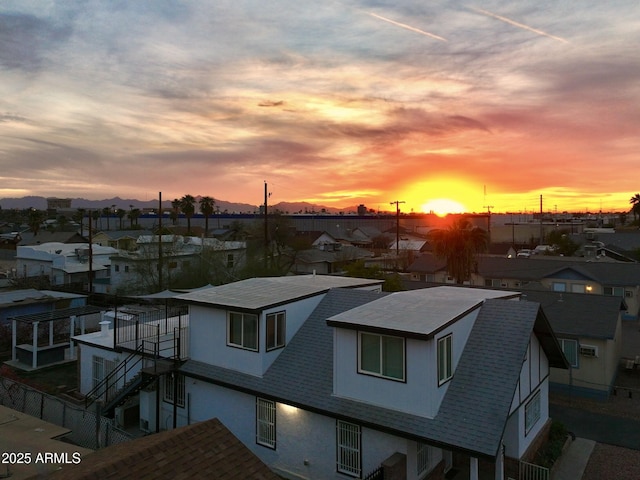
pixel 517 24
pixel 408 27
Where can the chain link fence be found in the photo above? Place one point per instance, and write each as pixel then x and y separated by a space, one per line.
pixel 86 431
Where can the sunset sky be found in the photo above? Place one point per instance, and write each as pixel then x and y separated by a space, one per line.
pixel 337 102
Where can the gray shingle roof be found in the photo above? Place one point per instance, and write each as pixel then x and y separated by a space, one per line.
pixel 477 403
pixel 474 412
pixel 536 268
pixel 580 315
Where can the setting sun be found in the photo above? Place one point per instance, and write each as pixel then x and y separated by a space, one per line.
pixel 442 206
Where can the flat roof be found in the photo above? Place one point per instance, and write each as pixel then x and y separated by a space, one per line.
pixel 60 314
pixel 265 292
pixel 13 297
pixel 421 313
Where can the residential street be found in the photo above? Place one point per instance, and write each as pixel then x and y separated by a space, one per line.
pixel 603 428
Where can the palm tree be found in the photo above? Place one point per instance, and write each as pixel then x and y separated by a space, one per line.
pixel 121 212
pixel 106 211
pixel 35 220
pixel 635 205
pixel 79 217
pixel 206 207
pixel 134 214
pixel 175 210
pixel 95 214
pixel 187 205
pixel 62 222
pixel 459 245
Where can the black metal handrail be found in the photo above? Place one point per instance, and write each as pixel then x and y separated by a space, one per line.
pixel 113 377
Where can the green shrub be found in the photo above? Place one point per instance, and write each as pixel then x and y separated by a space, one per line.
pixel 552 449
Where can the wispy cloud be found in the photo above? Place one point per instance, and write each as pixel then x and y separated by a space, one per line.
pixel 408 27
pixel 324 103
pixel 518 24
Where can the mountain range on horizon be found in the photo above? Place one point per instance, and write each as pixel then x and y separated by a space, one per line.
pixel 40 203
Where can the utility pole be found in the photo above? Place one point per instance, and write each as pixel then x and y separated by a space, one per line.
pixel 266 228
pixel 489 207
pixel 541 229
pixel 159 241
pixel 90 256
pixel 397 204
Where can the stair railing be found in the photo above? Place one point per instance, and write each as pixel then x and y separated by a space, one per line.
pixel 113 377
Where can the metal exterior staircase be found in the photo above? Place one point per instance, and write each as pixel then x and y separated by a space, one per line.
pixel 133 386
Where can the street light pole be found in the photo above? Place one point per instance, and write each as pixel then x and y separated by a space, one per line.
pixel 397 204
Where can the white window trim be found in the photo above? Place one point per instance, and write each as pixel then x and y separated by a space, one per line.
pixel 380 374
pixel 442 343
pixel 168 389
pixel 266 423
pixel 348 448
pixel 242 345
pixel 577 350
pixel 274 318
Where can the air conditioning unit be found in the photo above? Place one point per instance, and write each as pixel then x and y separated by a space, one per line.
pixel 588 350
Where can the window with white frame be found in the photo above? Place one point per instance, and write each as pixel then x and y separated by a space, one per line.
pixel 97 370
pixel 445 363
pixel 243 330
pixel 422 459
pixel 266 422
pixel 101 368
pixel 559 286
pixel 570 350
pixel 532 412
pixel 275 330
pixel 348 438
pixel 616 292
pixel 381 355
pixel 174 387
pixel 578 288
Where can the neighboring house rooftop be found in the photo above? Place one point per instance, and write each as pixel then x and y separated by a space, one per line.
pixel 30 295
pixel 45 236
pixel 473 413
pixel 576 314
pixel 202 450
pixel 541 266
pixel 405 311
pixel 260 293
pixel 64 249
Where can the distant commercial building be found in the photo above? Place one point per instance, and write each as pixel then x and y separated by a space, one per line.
pixel 54 203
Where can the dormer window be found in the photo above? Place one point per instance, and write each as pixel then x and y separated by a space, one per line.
pixel 381 355
pixel 275 330
pixel 445 365
pixel 243 331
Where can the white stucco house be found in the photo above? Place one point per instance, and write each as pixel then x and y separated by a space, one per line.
pixel 334 383
pixel 137 269
pixel 64 263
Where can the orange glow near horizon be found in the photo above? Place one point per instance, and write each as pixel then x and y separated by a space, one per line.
pixel 443 206
pixel 441 196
